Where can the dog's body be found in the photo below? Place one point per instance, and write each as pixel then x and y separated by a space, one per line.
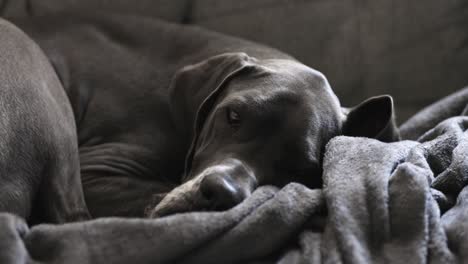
pixel 148 97
pixel 39 163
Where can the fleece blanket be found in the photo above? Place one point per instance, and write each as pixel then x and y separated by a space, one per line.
pixel 380 203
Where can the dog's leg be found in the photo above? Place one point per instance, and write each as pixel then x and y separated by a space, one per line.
pixel 122 179
pixel 39 163
pixel 114 195
pixel 60 194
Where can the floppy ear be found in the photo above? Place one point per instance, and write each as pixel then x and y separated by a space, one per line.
pixel 194 90
pixel 373 118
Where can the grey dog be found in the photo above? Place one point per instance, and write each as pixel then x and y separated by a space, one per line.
pixel 157 118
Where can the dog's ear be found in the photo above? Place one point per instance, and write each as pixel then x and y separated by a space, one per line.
pixel 373 118
pixel 194 90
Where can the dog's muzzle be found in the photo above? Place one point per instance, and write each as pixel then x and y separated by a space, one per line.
pixel 217 187
pixel 226 185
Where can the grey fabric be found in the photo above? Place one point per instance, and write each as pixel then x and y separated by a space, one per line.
pixel 365 48
pixel 452 105
pixel 169 239
pixel 381 203
pixel 171 10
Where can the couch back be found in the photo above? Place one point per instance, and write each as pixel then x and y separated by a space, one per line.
pixel 417 51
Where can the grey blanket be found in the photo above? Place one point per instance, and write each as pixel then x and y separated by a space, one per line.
pixel 381 203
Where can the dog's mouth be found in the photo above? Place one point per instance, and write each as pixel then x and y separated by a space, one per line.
pixel 185 198
pixel 216 188
pixel 166 208
pixel 180 201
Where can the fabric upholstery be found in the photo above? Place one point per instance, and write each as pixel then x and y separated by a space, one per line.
pixel 365 48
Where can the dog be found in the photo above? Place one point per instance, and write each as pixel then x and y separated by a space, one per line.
pixel 39 160
pixel 174 118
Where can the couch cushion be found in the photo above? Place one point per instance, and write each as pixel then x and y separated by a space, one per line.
pixel 416 51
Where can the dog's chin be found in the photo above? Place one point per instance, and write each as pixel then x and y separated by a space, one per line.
pixel 185 198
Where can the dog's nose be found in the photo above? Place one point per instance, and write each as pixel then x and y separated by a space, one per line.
pixel 222 192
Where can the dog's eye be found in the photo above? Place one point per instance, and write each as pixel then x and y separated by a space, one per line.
pixel 233 117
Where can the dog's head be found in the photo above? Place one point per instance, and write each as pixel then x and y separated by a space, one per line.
pixel 256 122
